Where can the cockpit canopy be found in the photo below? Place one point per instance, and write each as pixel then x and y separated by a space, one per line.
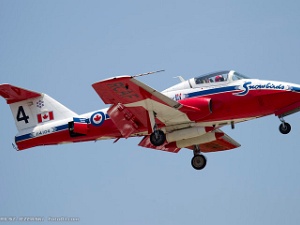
pixel 216 78
pixel 219 77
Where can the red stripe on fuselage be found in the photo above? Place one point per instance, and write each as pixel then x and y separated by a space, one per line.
pixel 107 129
pixel 257 103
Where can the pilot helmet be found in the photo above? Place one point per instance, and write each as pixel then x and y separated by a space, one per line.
pixel 218 78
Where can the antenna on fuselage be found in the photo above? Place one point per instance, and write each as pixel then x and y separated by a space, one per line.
pixel 145 74
pixel 180 78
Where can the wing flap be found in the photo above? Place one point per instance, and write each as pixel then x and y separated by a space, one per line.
pixel 128 120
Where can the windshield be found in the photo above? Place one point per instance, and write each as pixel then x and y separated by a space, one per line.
pixel 212 77
pixel 238 76
pixel 219 77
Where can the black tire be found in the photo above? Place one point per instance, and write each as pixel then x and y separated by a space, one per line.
pixel 198 162
pixel 157 138
pixel 285 128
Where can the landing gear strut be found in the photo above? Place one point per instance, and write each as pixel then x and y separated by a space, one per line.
pixel 198 161
pixel 284 127
pixel 158 137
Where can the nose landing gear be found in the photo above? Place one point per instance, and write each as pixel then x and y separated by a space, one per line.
pixel 284 127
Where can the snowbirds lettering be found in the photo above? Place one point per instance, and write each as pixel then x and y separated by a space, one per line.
pixel 187 115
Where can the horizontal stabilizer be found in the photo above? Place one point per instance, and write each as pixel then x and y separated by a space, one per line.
pixel 14 94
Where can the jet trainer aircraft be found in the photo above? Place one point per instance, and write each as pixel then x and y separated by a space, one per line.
pixel 187 115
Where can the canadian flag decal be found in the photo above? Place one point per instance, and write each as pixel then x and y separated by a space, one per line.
pixel 44 117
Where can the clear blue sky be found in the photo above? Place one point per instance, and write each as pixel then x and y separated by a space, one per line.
pixel 62 47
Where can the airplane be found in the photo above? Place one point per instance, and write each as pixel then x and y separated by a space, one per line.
pixel 188 115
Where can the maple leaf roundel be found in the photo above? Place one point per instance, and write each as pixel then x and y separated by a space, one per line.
pixel 97 118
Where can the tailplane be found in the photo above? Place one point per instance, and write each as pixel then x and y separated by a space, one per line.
pixel 31 108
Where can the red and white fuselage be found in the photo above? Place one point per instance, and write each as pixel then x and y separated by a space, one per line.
pixel 189 113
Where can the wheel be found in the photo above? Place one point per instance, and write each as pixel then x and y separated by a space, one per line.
pixel 157 138
pixel 198 162
pixel 285 128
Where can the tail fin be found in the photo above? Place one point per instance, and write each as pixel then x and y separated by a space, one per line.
pixel 31 108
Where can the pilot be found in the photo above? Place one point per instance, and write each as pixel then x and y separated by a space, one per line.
pixel 219 78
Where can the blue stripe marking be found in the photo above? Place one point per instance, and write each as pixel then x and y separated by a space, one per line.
pixel 213 91
pixel 30 135
pixel 295 89
pixel 80 120
pixel 62 127
pixel 23 137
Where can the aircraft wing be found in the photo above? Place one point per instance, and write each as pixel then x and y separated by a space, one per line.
pixel 145 142
pixel 291 109
pixel 126 89
pixel 133 102
pixel 222 143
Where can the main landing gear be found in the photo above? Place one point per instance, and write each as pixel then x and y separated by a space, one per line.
pixel 198 161
pixel 158 137
pixel 284 127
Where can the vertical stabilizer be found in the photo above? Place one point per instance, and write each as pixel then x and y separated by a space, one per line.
pixel 31 108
